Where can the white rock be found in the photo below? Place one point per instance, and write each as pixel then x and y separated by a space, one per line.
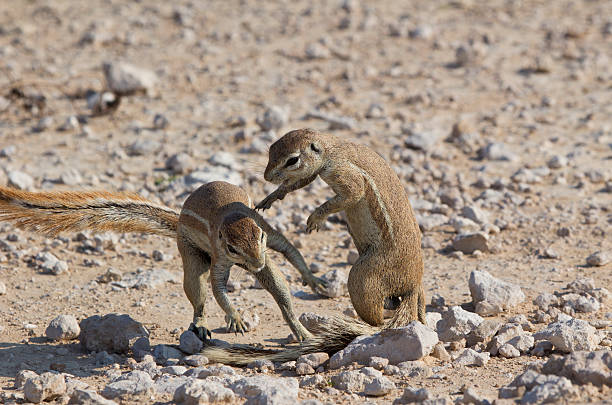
pixel 545 300
pixel 44 387
pixel 497 151
pixel 457 323
pixel 274 118
pixel 2 288
pixel 470 357
pixel 63 327
pixel 89 397
pixel 475 214
pixel 523 343
pixel 379 386
pixel 583 367
pixel 262 389
pixel 179 163
pixel 549 392
pixel 432 319
pixel 486 288
pixel 599 259
pixel 124 79
pixel 411 342
pixel 336 283
pixel 508 351
pixel 195 392
pixel 134 383
pixel 411 395
pixel 570 335
pixel 143 147
pixel 20 180
pixel 469 242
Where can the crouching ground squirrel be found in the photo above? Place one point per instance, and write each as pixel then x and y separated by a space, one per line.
pixel 215 229
pixel 389 271
pixel 380 218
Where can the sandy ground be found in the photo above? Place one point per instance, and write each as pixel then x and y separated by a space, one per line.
pixel 533 76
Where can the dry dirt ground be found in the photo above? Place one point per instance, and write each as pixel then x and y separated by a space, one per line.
pixel 535 77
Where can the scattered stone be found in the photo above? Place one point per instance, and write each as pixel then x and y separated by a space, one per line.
pixel 160 121
pixel 313 359
pixel 440 353
pixel 557 162
pixel 508 351
pixel 457 323
pixel 274 118
pixel 316 380
pixel 420 140
pixel 190 342
pixel 413 369
pixel 114 333
pixel 379 363
pixel 483 332
pixel 263 389
pixel 523 343
pixel 143 279
pixel 470 396
pixel 412 395
pixel 570 335
pixel 179 163
pixel 196 360
pixel 20 180
pixel 124 79
pixel 546 300
pixel 143 147
pixel 134 383
pixel 470 242
pixel 471 357
pixel 336 283
pixel 599 259
pixel 195 392
pixel 335 122
pixel 499 294
pixel 378 387
pixel 88 397
pixel 162 353
pixel 304 369
pixel 2 288
pixel 316 50
pixel 63 327
pixel 497 151
pixel 554 391
pixel 44 387
pixel 583 367
pixel 475 214
pixel 411 342
pixel 352 257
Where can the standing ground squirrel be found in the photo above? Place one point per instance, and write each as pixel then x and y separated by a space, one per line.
pixel 215 229
pixel 389 270
pixel 380 218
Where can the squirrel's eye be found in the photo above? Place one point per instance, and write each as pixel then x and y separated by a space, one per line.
pixel 220 236
pixel 291 161
pixel 231 249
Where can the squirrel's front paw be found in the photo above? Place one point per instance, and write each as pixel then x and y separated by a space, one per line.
pixel 269 200
pixel 316 284
pixel 314 222
pixel 235 323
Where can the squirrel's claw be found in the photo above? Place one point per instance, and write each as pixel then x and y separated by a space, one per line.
pixel 201 332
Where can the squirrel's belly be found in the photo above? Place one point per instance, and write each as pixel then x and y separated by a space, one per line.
pixel 362 226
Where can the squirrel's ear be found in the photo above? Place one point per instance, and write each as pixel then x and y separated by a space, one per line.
pixel 315 147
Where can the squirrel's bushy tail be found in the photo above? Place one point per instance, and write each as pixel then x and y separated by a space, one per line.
pixel 53 212
pixel 333 335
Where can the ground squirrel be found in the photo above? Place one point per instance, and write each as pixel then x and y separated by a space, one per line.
pixel 215 229
pixel 380 218
pixel 389 271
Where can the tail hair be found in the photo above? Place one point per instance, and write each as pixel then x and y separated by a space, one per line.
pixel 53 212
pixel 334 335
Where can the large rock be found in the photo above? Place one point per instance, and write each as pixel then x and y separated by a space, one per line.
pixel 266 390
pixel 63 327
pixel 369 380
pixel 583 367
pixel 411 342
pixel 554 391
pixel 125 79
pixel 470 242
pixel 457 324
pixel 133 384
pixel 570 335
pixel 491 295
pixel 44 387
pixel 190 342
pixel 195 392
pixel 114 333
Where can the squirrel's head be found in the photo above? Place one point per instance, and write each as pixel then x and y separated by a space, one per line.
pixel 243 241
pixel 296 155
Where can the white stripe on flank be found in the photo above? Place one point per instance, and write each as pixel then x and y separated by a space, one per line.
pixel 199 218
pixel 379 200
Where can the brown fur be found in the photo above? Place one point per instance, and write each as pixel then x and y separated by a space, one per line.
pixel 214 218
pixel 381 222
